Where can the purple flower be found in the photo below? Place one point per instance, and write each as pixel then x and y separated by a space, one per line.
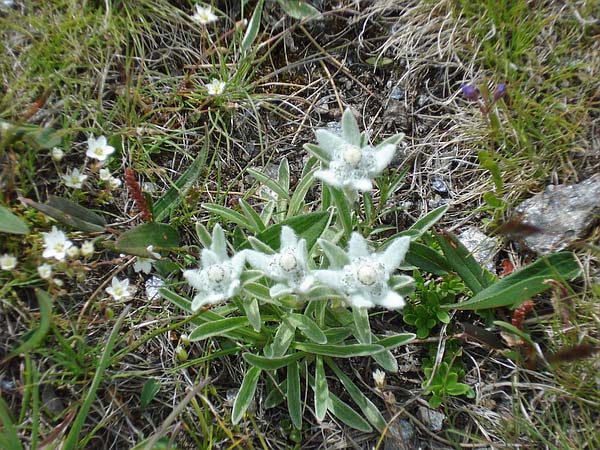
pixel 472 93
pixel 500 91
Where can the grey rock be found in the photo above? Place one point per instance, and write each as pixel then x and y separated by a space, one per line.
pixel 434 420
pixel 438 185
pixel 400 436
pixel 482 247
pixel 563 213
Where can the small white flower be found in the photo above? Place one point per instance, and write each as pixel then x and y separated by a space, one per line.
pixel 45 271
pixel 74 179
pixel 57 154
pixel 152 286
pixel 87 248
pixel 215 87
pixel 73 252
pixel 114 182
pixel 143 265
pixel 8 262
pixel 218 278
pixel 119 289
pixel 56 244
pixel 288 267
pixel 58 282
pixel 364 280
pixel 379 378
pixel 99 148
pixel 204 15
pixel 104 174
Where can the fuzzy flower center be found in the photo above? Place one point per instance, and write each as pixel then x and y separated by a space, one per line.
pixel 216 273
pixel 352 155
pixel 367 275
pixel 288 261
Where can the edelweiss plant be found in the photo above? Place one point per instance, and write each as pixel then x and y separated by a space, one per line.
pixel 288 267
pixel 348 162
pixel 364 277
pixel 218 278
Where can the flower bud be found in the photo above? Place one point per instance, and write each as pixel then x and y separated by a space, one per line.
pixel 499 92
pixel 470 92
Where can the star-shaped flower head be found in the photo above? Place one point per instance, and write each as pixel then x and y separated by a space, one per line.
pixel 119 290
pixel 56 244
pixel 204 15
pixel 99 148
pixel 364 277
pixel 74 179
pixel 288 267
pixel 218 278
pixel 347 162
pixel 215 87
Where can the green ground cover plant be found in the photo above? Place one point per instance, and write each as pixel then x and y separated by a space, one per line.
pixel 215 234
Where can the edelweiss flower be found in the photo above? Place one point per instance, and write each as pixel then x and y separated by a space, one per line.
pixel 365 279
pixel 347 163
pixel 8 262
pixel 56 244
pixel 119 289
pixel 215 87
pixel 218 278
pixel 98 148
pixel 288 267
pixel 74 179
pixel 204 15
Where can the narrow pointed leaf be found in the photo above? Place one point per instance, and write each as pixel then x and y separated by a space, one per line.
pixel 367 407
pixel 274 363
pixel 461 260
pixel 307 327
pixel 429 220
pixel 158 235
pixel 321 390
pixel 35 338
pixel 175 195
pixel 339 351
pixel 253 313
pixel 218 327
pixel 70 213
pixel 245 394
pixel 347 415
pixel 524 283
pixel 362 325
pixel 9 223
pixel 293 394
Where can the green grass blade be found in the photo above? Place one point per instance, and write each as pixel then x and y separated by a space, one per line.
pixel 175 195
pixel 9 438
pixel 293 394
pixel 45 303
pixel 73 436
pixel 253 27
pixel 245 394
